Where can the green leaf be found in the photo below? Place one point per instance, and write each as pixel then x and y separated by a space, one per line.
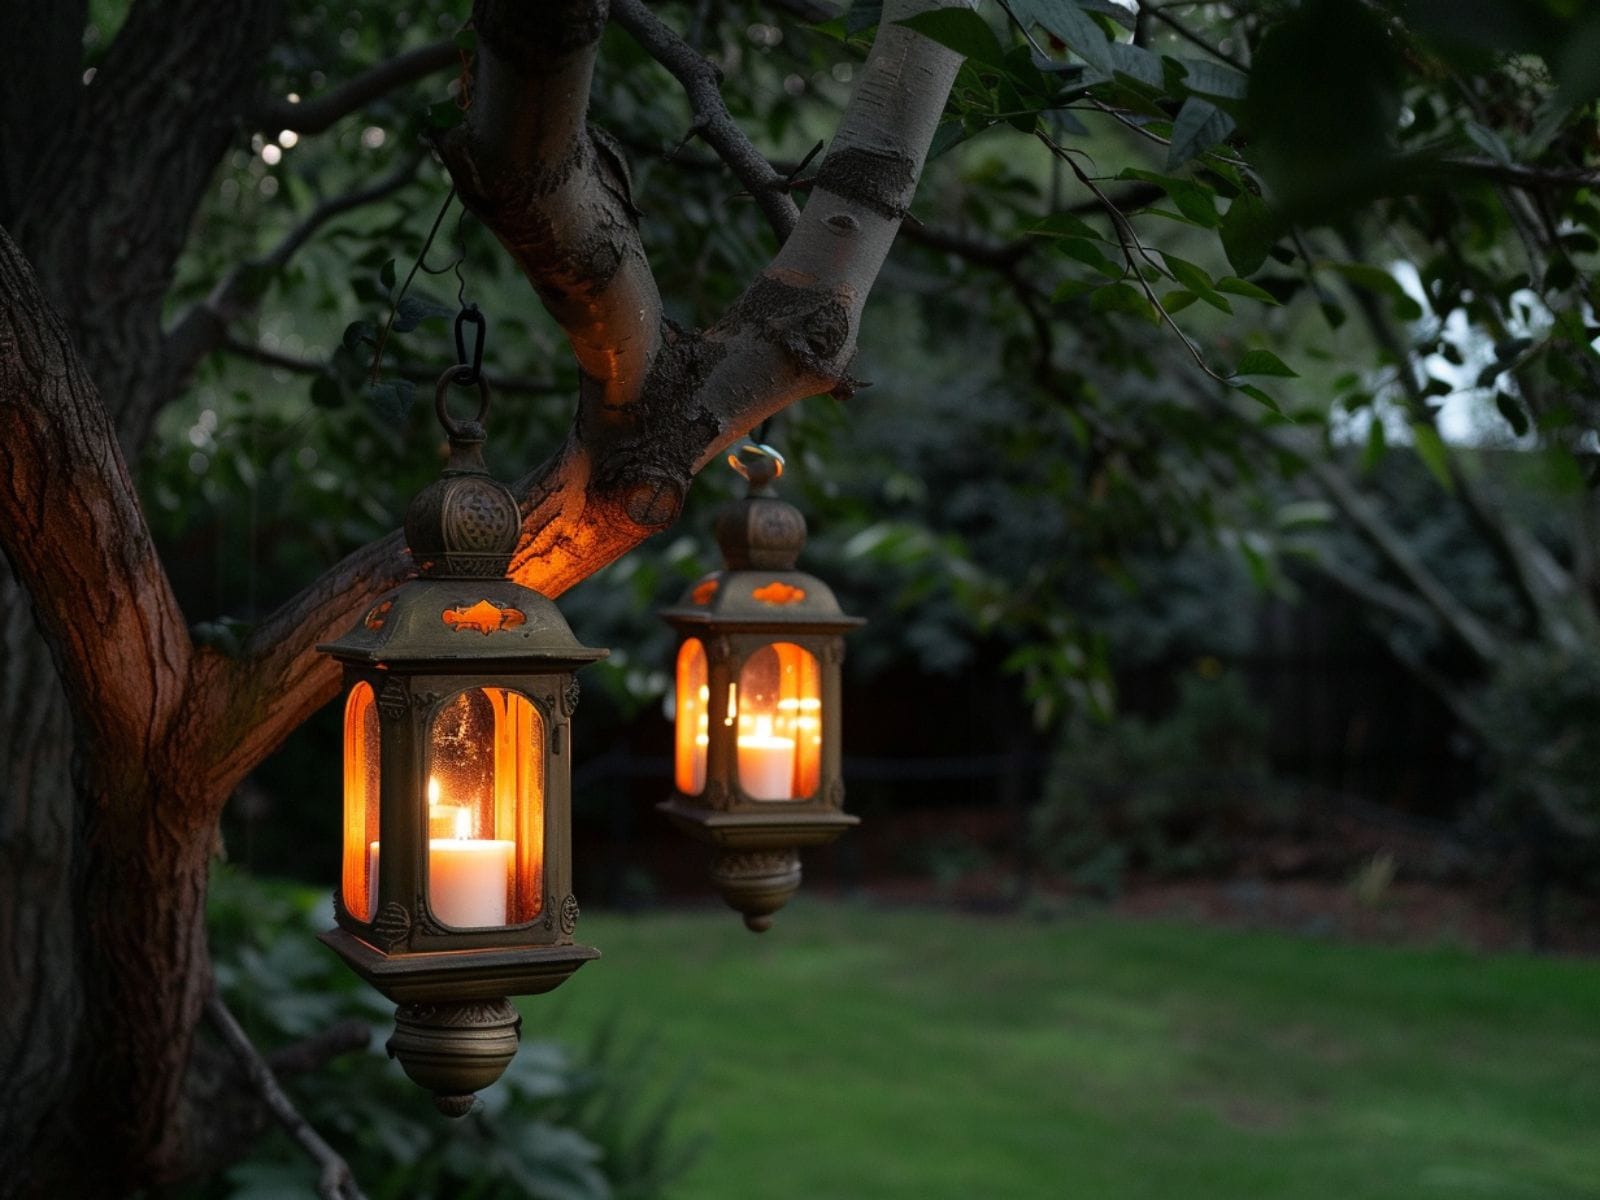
pixel 360 333
pixel 1264 362
pixel 1259 396
pixel 1177 301
pixel 1124 298
pixel 1248 230
pixel 1235 286
pixel 961 30
pixel 467 40
pixel 1072 25
pixel 415 308
pixel 1062 224
pixel 1213 79
pixel 1136 63
pixel 1376 279
pixel 391 399
pixel 862 16
pixel 1194 200
pixel 1089 255
pixel 1187 273
pixel 1199 126
pixel 1431 449
pixel 386 274
pixel 1512 412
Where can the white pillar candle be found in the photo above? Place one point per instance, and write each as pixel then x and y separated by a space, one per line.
pixel 467 880
pixel 766 766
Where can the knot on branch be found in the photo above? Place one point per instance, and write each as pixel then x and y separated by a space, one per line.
pixel 811 324
pixel 879 180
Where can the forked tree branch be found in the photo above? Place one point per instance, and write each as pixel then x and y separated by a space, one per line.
pixel 318 113
pixel 204 326
pixel 702 83
pixel 658 403
pixel 334 1179
pixel 556 192
pixel 1392 548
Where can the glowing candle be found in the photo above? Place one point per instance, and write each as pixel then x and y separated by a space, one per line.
pixel 467 876
pixel 766 763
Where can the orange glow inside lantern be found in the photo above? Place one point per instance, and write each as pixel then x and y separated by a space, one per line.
pixel 776 707
pixel 484 809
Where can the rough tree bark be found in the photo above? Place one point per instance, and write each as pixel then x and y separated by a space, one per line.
pixel 103 964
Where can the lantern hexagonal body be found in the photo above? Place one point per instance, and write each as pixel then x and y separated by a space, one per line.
pixel 757 743
pixel 455 891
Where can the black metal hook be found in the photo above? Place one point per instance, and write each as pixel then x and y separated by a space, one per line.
pixel 471 316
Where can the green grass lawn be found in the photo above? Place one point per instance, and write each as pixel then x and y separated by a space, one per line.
pixel 853 1053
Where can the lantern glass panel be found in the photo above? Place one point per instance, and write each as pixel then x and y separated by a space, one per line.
pixel 780 723
pixel 485 810
pixel 693 718
pixel 358 884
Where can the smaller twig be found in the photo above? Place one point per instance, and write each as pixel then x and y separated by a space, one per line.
pixel 203 327
pixel 316 114
pixel 511 385
pixel 335 1181
pixel 1129 241
pixel 1190 36
pixel 702 83
pixel 315 1052
pixel 376 370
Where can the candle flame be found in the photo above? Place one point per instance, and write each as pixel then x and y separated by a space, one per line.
pixel 763 726
pixel 433 791
pixel 463 824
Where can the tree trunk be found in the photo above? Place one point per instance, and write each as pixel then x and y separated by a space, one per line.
pixel 40 982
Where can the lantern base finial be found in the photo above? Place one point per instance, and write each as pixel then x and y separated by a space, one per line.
pixel 454 1049
pixel 756 882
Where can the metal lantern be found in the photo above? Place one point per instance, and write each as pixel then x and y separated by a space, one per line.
pixel 456 884
pixel 757 702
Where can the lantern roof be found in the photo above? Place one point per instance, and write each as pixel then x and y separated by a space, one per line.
pixel 456 622
pixel 761 537
pixel 462 530
pixel 758 600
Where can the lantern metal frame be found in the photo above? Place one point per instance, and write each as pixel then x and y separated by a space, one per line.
pixel 460 626
pixel 760 599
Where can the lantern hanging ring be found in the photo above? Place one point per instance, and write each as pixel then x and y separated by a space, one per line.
pixel 464 376
pixel 757 462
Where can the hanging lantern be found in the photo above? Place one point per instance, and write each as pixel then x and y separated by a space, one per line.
pixel 456 884
pixel 756 757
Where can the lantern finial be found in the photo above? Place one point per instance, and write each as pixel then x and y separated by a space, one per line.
pixel 761 531
pixel 465 524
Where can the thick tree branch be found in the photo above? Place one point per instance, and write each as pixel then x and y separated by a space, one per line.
pixel 334 1180
pixel 1392 548
pixel 556 192
pixel 1534 580
pixel 535 176
pixel 71 526
pixel 204 327
pixel 318 113
pixel 702 83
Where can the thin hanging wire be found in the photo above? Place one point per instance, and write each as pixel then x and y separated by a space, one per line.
pixel 376 370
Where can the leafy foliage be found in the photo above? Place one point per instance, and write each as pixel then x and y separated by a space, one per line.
pixel 560 1125
pixel 1164 798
